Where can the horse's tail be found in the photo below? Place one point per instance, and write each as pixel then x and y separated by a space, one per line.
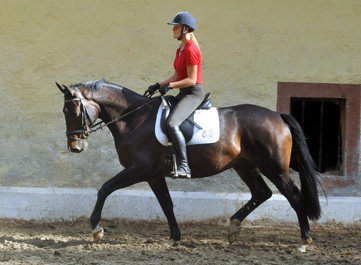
pixel 306 168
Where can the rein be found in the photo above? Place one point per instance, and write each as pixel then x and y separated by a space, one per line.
pixel 86 130
pixel 100 126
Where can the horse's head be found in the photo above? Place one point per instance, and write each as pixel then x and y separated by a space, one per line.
pixel 80 114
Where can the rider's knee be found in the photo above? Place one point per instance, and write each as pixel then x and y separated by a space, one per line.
pixel 171 124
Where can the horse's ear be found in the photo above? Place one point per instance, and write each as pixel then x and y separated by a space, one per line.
pixel 64 89
pixel 61 88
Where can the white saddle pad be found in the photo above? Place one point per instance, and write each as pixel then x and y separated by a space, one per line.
pixel 207 119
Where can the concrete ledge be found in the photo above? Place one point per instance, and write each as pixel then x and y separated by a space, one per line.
pixel 66 203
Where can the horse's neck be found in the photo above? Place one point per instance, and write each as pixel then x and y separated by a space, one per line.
pixel 115 103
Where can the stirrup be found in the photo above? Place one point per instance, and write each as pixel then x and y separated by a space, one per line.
pixel 181 172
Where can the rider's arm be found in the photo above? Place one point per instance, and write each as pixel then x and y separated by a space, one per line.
pixel 172 78
pixel 188 81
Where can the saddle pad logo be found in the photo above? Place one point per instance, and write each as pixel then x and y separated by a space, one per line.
pixel 208 120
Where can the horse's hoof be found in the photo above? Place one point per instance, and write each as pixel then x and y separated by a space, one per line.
pixel 302 248
pixel 304 245
pixel 233 231
pixel 98 233
pixel 171 242
pixel 232 237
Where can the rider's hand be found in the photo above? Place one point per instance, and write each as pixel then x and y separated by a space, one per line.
pixel 164 89
pixel 151 89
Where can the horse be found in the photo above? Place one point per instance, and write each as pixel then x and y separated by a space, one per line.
pixel 254 141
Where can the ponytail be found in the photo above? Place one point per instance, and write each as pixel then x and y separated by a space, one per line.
pixel 194 39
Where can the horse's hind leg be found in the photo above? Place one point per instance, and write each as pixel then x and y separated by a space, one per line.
pixel 293 194
pixel 260 193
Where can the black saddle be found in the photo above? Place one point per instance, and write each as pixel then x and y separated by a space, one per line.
pixel 186 127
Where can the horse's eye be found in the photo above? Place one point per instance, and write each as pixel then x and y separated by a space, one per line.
pixel 74 112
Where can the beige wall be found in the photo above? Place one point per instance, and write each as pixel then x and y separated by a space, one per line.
pixel 248 46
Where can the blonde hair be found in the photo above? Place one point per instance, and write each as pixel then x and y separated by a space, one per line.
pixel 194 39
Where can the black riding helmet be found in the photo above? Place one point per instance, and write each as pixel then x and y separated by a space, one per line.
pixel 185 19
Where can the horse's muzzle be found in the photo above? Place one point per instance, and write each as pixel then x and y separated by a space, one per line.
pixel 77 146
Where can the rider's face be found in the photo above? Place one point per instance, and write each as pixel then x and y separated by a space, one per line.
pixel 177 31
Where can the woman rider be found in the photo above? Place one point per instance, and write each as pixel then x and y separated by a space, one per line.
pixel 187 78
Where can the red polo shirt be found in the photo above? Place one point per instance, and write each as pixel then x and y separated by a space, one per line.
pixel 190 55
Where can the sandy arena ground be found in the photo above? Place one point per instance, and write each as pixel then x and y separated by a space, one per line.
pixel 130 242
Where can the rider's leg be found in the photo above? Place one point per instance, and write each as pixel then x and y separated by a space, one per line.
pixel 179 145
pixel 189 100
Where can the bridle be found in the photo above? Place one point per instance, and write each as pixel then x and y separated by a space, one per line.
pixel 86 129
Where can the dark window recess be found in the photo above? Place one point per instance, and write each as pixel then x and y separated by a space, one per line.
pixel 321 121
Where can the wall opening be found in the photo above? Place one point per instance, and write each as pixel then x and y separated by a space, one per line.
pixel 321 121
pixel 330 117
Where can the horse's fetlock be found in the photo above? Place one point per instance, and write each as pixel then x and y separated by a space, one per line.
pixel 176 236
pixel 263 196
pixel 307 241
pixel 267 195
pixel 94 221
pixel 234 222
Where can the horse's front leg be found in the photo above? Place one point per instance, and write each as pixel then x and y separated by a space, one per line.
pixel 160 189
pixel 125 178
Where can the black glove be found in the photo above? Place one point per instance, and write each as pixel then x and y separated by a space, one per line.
pixel 164 89
pixel 151 89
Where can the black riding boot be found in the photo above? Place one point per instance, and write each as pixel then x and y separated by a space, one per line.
pixel 179 145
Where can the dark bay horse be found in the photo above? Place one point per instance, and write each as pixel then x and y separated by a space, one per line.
pixel 253 141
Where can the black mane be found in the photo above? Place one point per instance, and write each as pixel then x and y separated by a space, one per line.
pixel 93 86
pixel 97 85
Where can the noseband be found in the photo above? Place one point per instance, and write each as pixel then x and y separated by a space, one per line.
pixel 85 129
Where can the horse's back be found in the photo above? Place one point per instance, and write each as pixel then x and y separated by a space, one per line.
pixel 258 130
pixel 252 116
pixel 250 135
